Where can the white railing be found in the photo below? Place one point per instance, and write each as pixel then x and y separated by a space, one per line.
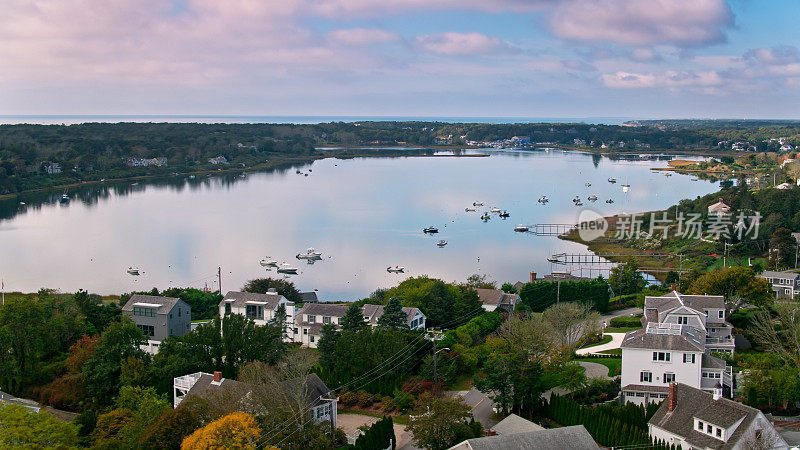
pixel 719 340
pixel 664 328
pixel 187 381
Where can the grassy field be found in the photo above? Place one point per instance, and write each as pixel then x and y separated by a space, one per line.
pixel 605 340
pixel 614 364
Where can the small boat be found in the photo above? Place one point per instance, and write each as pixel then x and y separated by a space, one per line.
pixel 486 216
pixel 441 243
pixel 310 170
pixel 64 198
pixel 579 203
pixel 191 177
pixel 626 187
pixel 268 262
pixel 133 270
pixel 22 203
pixel 576 199
pixel 430 230
pixel 587 184
pixel 592 198
pixel 543 200
pixel 505 214
pixel 286 268
pixel 609 201
pixel 305 174
pixel 310 254
pixel 477 203
pixel 520 228
pixel 694 179
pixel 395 269
pixel 612 180
pixel 469 209
pixel 298 172
pixel 495 210
pixel 667 174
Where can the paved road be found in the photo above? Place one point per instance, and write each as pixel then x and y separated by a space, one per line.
pixel 482 406
pixel 616 341
pixel 350 422
pixel 619 313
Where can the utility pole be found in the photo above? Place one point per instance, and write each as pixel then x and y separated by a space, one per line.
pixel 219 276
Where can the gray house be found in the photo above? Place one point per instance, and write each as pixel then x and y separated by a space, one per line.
pixel 158 317
pixel 784 284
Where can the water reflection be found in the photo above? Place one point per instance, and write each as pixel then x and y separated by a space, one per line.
pixel 364 214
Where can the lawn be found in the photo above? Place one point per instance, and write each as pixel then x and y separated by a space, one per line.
pixel 614 364
pixel 620 329
pixel 605 340
pixel 613 351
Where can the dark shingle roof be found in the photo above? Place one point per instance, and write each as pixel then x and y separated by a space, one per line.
pixel 240 299
pixel 645 388
pixel 690 340
pixel 574 438
pixel 514 424
pixel 309 297
pixel 167 303
pixel 784 275
pixel 496 297
pixel 655 307
pixel 315 387
pixel 374 312
pixel 712 362
pixel 692 403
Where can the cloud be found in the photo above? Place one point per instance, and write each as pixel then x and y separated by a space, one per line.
pixel 684 23
pixel 362 36
pixel 781 55
pixel 460 44
pixel 670 79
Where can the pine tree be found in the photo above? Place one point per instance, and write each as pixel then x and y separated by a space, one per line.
pixel 353 319
pixel 393 315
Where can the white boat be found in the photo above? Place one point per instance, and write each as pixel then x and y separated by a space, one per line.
pixel 576 199
pixel 469 209
pixel 477 203
pixel 64 198
pixel 579 203
pixel 495 210
pixel 520 228
pixel 395 269
pixel 626 187
pixel 286 268
pixel 612 180
pixel 592 198
pixel 310 254
pixel 441 243
pixel 133 270
pixel 667 174
pixel 505 214
pixel 587 184
pixel 268 262
pixel 486 216
pixel 544 199
pixel 609 201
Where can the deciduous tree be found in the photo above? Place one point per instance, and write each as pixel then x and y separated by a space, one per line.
pixel 236 430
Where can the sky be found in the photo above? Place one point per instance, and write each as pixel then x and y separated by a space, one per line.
pixel 462 58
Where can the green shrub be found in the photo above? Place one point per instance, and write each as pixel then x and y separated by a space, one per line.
pixel 625 322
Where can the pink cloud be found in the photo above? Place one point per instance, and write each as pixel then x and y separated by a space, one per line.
pixel 452 43
pixel 643 22
pixel 362 36
pixel 669 79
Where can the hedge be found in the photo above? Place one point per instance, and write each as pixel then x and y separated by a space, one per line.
pixel 625 322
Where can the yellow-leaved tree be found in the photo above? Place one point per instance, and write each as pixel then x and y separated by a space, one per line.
pixel 236 430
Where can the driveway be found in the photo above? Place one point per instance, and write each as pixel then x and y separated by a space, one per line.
pixel 616 341
pixel 622 312
pixel 350 422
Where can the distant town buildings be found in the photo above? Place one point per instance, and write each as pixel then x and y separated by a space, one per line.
pixel 218 160
pixel 719 209
pixel 145 162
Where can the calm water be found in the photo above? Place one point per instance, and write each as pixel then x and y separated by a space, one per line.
pixel 363 214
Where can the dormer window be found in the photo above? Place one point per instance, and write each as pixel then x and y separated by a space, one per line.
pixel 683 320
pixel 721 314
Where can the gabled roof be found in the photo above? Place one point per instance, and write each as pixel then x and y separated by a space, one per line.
pixel 514 424
pixel 712 362
pixel 315 387
pixel 690 339
pixel 309 297
pixel 269 300
pixel 575 438
pixel 496 297
pixel 374 312
pixel 784 275
pixel 324 309
pixel 693 403
pixel 163 304
pixel 656 308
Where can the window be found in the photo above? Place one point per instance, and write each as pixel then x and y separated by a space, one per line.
pixel 640 394
pixel 144 311
pixel 147 330
pixel 179 312
pixel 170 315
pixel 669 377
pixel 721 314
pixel 683 320
pixel 312 319
pixel 295 331
pixel 700 425
pixel 227 307
pixel 687 358
pixel 312 338
pixel 719 433
pixel 661 356
pixel 254 311
pixel 326 319
pixel 646 376
pixel 305 330
pixel 709 429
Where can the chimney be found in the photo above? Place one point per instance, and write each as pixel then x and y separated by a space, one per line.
pixel 717 392
pixel 217 376
pixel 533 277
pixel 672 400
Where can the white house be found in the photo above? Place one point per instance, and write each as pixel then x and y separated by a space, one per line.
pixel 680 333
pixel 718 209
pixel 259 307
pixel 784 284
pixel 310 319
pixel 694 419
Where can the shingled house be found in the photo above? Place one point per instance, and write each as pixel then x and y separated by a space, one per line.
pixel 693 419
pixel 158 317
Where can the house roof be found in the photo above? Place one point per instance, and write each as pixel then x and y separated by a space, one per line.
pixel 324 309
pixel 693 403
pixel 309 297
pixel 163 304
pixel 575 437
pixel 784 275
pixel 690 339
pixel 656 308
pixel 645 388
pixel 514 424
pixel 712 362
pixel 496 297
pixel 269 300
pixel 720 206
pixel 374 312
pixel 315 387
